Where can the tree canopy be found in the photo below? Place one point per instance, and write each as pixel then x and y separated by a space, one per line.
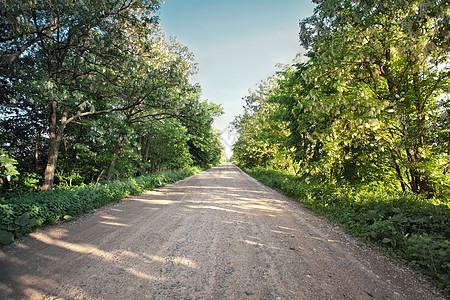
pixel 372 100
pixel 89 87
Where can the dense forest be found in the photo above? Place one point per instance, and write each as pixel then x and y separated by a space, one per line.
pixel 94 90
pixel 359 128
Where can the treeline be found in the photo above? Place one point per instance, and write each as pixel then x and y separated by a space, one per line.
pixel 370 104
pixel 94 90
pixel 360 130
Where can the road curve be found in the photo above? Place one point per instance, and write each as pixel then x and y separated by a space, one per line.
pixel 216 235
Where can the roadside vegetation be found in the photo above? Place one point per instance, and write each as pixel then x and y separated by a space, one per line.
pixel 359 128
pixel 95 90
pixel 24 213
pixel 96 104
pixel 408 227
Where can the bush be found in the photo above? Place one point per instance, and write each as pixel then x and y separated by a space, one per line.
pixel 407 226
pixel 21 214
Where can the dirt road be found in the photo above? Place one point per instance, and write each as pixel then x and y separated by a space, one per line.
pixel 216 235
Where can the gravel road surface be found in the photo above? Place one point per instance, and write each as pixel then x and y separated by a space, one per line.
pixel 216 235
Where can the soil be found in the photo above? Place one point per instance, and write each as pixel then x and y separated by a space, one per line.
pixel 217 235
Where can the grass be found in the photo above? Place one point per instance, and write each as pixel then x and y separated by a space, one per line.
pixel 408 227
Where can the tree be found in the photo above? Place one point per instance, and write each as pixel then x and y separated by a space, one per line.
pixel 262 134
pixel 204 143
pixel 167 146
pixel 89 82
pixel 71 44
pixel 379 69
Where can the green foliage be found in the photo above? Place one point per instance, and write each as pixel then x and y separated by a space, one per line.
pixel 262 133
pixel 167 146
pixel 380 73
pixel 407 226
pixel 371 103
pixel 204 143
pixel 83 83
pixel 364 123
pixel 24 213
pixel 7 167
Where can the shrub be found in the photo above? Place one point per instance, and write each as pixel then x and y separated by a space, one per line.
pixel 21 214
pixel 407 226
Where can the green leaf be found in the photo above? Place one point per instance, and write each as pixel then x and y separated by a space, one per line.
pixel 68 217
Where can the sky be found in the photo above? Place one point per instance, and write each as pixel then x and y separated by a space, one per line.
pixel 236 44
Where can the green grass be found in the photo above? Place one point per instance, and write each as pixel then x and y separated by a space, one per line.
pixel 22 214
pixel 408 227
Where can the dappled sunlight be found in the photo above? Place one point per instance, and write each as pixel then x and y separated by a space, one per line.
pixel 157 259
pixel 108 217
pixel 173 259
pixel 253 243
pixel 215 208
pixel 31 281
pixel 94 251
pixel 260 207
pixel 20 246
pixel 155 201
pixel 80 248
pixel 230 206
pixel 58 234
pixel 285 228
pixel 279 232
pixel 48 257
pixel 114 224
pixel 324 240
pixel 142 266
pixel 112 221
pixel 11 259
pixel 179 242
pixel 140 274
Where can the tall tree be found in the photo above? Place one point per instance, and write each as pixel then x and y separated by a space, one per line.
pixel 262 133
pixel 204 145
pixel 71 44
pixel 380 68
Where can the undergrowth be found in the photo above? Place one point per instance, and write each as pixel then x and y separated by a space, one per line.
pixel 21 214
pixel 408 227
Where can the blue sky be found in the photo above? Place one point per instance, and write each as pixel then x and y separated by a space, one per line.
pixel 236 44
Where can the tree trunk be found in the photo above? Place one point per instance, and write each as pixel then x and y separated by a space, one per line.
pixel 100 176
pixel 399 175
pixel 419 183
pixel 55 141
pixel 116 154
pixel 145 155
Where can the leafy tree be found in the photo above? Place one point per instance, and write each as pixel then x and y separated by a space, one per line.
pixel 379 69
pixel 204 144
pixel 72 44
pixel 294 108
pixel 21 130
pixel 167 146
pixel 87 83
pixel 262 133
